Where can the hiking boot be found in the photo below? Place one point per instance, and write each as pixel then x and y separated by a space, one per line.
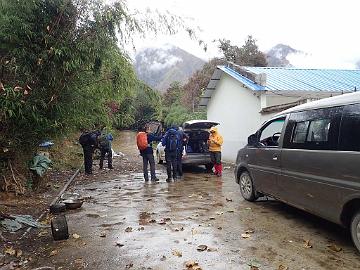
pixel 175 178
pixel 168 180
pixel 146 180
pixel 155 180
pixel 111 167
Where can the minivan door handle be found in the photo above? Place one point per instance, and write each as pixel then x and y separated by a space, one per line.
pixel 275 157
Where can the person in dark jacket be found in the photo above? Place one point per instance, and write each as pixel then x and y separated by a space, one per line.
pixel 104 141
pixel 88 141
pixel 148 155
pixel 170 141
pixel 182 140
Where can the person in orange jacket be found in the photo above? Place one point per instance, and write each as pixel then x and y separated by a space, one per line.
pixel 215 141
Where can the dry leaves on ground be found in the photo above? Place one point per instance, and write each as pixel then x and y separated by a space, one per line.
pixel 202 248
pixel 103 234
pixel 176 253
pixel 334 247
pixel 192 265
pixel 245 235
pixel 76 236
pixel 163 258
pixel 283 267
pixel 128 229
pixel 54 252
pixel 10 251
pixel 307 244
pixel 19 253
pixel 119 244
pixel 228 200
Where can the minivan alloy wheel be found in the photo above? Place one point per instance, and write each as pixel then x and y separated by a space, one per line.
pixel 355 230
pixel 246 186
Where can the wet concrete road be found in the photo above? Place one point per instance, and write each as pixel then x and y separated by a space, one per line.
pixel 129 224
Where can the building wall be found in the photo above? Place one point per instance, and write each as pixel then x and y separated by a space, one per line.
pixel 236 108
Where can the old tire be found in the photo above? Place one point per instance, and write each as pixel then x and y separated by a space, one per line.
pixel 355 230
pixel 59 228
pixel 57 208
pixel 247 187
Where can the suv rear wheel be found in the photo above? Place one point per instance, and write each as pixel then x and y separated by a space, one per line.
pixel 247 187
pixel 355 230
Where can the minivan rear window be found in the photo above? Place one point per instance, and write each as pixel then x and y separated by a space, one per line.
pixel 313 129
pixel 350 129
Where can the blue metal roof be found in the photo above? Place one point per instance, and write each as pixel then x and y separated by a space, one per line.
pixel 297 79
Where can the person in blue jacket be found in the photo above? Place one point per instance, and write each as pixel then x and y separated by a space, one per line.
pixel 170 141
pixel 148 155
pixel 182 141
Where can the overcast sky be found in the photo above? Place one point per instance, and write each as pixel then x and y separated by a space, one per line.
pixel 326 30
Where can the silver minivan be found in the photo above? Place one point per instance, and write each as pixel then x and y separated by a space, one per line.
pixel 308 157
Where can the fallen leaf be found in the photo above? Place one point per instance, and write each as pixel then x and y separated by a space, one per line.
pixel 230 211
pixel 177 253
pixel 334 247
pixel 162 222
pixel 283 267
pixel 76 236
pixel 307 244
pixel 119 244
pixel 219 228
pixel 253 267
pixel 79 262
pixel 249 231
pixel 141 229
pixel 209 249
pixel 42 233
pixel 245 235
pixel 128 229
pixel 247 208
pixel 163 258
pixel 19 253
pixel 128 266
pixel 219 213
pixel 152 221
pixel 191 264
pixel 54 252
pixel 202 248
pixel 228 200
pixel 211 218
pixel 103 234
pixel 10 251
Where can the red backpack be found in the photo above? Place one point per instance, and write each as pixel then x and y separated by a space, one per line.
pixel 141 141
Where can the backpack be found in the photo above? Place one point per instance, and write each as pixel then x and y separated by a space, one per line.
pixel 172 142
pixel 84 139
pixel 141 141
pixel 103 140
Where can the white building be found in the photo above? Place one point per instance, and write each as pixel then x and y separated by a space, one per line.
pixel 242 98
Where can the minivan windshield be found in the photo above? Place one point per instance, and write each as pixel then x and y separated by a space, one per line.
pixel 271 133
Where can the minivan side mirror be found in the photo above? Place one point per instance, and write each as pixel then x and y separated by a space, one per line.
pixel 252 140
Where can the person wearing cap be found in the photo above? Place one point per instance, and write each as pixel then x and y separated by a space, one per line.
pixel 215 141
